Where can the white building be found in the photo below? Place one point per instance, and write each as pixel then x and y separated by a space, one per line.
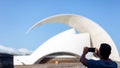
pixel 69 44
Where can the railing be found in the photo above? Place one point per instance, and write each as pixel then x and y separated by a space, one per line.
pixel 65 65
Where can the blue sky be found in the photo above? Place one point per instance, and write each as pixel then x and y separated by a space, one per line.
pixel 17 16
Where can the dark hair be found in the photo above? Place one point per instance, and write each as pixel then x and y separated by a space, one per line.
pixel 105 50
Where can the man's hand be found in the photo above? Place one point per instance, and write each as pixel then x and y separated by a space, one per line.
pixel 96 53
pixel 85 51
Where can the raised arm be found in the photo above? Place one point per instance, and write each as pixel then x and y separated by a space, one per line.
pixel 83 58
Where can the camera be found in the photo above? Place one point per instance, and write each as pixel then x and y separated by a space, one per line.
pixel 91 49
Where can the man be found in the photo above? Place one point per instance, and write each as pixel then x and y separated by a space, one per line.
pixel 103 53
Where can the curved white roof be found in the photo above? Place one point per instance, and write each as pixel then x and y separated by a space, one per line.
pixel 61 42
pixel 97 34
pixel 67 41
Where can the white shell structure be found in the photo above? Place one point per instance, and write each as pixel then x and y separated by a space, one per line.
pixel 91 34
pixel 68 41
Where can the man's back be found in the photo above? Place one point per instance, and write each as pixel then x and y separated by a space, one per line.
pixel 101 64
pixel 103 53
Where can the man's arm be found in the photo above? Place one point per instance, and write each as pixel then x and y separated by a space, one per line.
pixel 83 57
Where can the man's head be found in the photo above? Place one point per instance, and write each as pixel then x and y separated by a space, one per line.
pixel 105 51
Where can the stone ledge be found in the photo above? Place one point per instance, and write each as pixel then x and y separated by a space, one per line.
pixel 65 65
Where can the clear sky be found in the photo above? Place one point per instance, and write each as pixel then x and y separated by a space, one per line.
pixel 17 16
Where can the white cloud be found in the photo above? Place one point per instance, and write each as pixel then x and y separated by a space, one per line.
pixel 8 50
pixel 24 51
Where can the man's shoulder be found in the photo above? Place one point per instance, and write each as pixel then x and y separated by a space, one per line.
pixel 101 63
pixel 91 61
pixel 113 62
